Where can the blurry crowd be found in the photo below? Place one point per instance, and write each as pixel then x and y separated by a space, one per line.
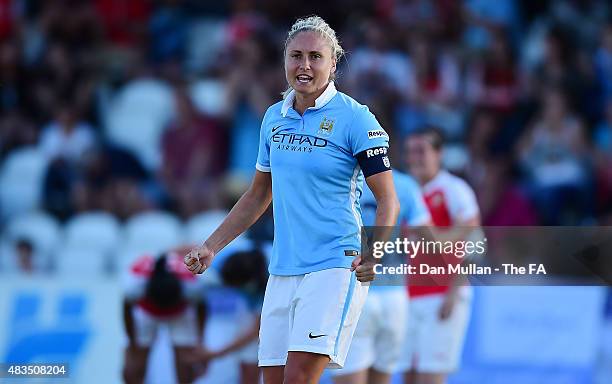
pixel 142 104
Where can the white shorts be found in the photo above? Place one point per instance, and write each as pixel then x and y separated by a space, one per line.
pixel 433 345
pixel 316 312
pixel 182 328
pixel 379 336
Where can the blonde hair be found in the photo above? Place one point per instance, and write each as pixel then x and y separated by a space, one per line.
pixel 316 24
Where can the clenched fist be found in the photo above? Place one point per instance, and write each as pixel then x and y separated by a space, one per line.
pixel 199 259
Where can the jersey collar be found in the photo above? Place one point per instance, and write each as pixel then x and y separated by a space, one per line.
pixel 441 174
pixel 320 102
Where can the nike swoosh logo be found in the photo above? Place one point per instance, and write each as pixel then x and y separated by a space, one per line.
pixel 314 337
pixel 275 128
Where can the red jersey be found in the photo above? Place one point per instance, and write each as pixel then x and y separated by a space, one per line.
pixel 450 200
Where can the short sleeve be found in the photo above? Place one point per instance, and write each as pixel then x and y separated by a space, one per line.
pixel 418 213
pixel 366 132
pixel 414 210
pixel 263 155
pixel 463 204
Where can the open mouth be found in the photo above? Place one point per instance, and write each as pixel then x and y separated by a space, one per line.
pixel 304 79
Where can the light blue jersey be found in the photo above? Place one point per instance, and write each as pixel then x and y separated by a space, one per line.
pixel 316 179
pixel 413 212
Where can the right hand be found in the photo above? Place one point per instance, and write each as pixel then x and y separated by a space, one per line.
pixel 199 259
pixel 198 361
pixel 364 269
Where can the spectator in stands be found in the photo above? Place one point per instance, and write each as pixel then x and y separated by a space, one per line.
pixel 560 67
pixel 377 71
pixel 603 132
pixel 64 141
pixel 124 23
pixel 602 140
pixel 251 85
pixel 553 153
pixel 13 77
pixel 502 201
pixel 67 137
pixel 493 81
pixel 434 75
pixel 433 86
pixel 113 180
pixel 483 19
pixel 168 31
pixel 61 74
pixel 603 62
pixel 73 23
pixel 194 155
pixel 420 15
pixel 59 50
pixel 25 256
pixel 16 130
pixel 9 19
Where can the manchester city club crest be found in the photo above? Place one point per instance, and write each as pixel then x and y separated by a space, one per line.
pixel 325 129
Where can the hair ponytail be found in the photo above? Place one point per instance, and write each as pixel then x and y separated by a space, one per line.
pixel 164 288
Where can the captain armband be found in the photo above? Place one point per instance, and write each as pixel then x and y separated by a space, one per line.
pixel 374 160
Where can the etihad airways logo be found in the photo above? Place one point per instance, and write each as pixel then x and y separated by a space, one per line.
pixel 297 143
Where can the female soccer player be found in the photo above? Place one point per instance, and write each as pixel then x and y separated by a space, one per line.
pixel 162 292
pixel 439 314
pixel 247 271
pixel 316 146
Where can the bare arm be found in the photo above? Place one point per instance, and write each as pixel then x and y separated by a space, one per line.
pixel 202 314
pixel 128 321
pixel 459 232
pixel 387 204
pixel 243 340
pixel 387 210
pixel 247 210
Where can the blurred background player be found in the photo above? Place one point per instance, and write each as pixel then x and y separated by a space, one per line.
pixel 248 272
pixel 161 292
pixel 377 344
pixel 439 313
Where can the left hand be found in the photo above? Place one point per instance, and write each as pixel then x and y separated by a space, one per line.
pixel 364 270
